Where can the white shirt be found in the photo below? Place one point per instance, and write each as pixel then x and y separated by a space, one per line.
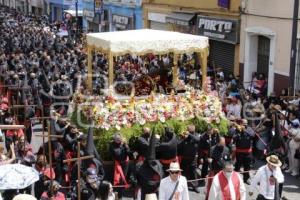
pixel 295 102
pixel 215 192
pixel 167 186
pixel 262 177
pixel 234 110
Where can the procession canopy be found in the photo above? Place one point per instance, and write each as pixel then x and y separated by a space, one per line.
pixel 144 41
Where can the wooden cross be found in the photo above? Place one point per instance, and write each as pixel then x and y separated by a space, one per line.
pixel 78 159
pixel 49 136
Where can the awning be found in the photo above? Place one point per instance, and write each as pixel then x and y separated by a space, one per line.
pixel 183 19
pixel 73 12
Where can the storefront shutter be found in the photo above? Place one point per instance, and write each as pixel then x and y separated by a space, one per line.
pixel 221 54
pixel 158 26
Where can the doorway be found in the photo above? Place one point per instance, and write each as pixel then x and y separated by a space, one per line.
pixel 263 55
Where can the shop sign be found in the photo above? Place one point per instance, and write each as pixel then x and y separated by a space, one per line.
pixel 121 20
pixel 219 29
pixel 88 14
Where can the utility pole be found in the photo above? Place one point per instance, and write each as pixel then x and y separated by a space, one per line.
pixel 77 22
pixel 294 46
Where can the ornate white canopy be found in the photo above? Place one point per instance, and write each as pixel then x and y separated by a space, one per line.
pixel 146 41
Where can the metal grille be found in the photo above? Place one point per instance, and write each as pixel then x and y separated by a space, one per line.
pixel 221 54
pixel 297 68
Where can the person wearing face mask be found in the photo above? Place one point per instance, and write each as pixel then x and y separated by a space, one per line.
pixel 216 160
pixel 268 177
pixel 227 184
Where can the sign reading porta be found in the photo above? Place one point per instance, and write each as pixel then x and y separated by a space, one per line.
pixel 219 29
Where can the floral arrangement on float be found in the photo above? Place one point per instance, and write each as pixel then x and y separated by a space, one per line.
pixel 199 107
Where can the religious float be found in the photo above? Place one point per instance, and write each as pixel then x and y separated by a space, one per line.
pixel 113 113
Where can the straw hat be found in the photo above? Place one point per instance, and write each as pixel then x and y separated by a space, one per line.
pixel 24 197
pixel 174 167
pixel 274 160
pixel 151 196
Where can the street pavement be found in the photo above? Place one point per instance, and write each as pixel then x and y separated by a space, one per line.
pixel 291 188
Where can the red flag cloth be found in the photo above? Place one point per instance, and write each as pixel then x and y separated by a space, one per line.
pixel 118 173
pixel 225 186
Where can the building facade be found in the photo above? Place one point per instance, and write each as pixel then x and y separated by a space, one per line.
pixel 266 34
pixel 57 8
pixel 219 20
pixel 36 7
pixel 122 15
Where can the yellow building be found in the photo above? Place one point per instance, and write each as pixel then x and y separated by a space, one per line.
pixel 217 19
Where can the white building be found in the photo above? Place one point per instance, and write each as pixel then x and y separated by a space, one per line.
pixel 266 34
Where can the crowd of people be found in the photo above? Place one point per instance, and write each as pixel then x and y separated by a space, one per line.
pixel 39 73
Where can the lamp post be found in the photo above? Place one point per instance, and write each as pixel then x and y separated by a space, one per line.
pixel 294 45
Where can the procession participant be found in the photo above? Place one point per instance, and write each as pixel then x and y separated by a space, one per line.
pixel 119 150
pixel 58 156
pixel 188 149
pixel 143 144
pixel 242 142
pixel 24 152
pixel 4 159
pixel 268 177
pixel 105 191
pixel 263 131
pixel 167 148
pixel 207 140
pixel 216 160
pixel 150 173
pixel 227 184
pixel 293 145
pixel 174 186
pixel 53 192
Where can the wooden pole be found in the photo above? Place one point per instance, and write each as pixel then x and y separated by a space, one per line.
pixel 78 171
pixel 50 155
pixel 111 69
pixel 90 69
pixel 203 56
pixel 175 70
pixel 11 127
pixel 75 159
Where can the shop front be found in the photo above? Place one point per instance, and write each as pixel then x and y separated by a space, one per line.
pixel 182 22
pixel 20 5
pixel 125 16
pixel 157 21
pixel 92 20
pixel 224 41
pixel 36 7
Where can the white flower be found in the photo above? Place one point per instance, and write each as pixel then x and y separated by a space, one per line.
pixel 118 127
pixel 142 121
